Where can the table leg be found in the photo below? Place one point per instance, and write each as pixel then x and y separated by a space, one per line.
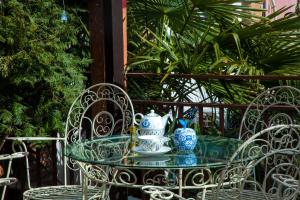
pixel 105 188
pixel 180 182
pixel 84 187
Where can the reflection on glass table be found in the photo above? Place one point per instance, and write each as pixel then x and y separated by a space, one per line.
pixel 197 169
pixel 211 151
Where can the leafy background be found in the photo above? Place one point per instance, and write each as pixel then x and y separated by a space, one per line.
pixel 42 64
pixel 208 37
pixel 43 59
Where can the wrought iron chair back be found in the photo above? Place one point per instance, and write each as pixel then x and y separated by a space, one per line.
pixel 268 125
pixel 100 110
pixel 277 105
pixel 274 153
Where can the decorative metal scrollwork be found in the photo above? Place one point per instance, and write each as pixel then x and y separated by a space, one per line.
pixel 124 177
pixel 94 173
pixel 277 105
pixel 160 177
pixel 160 193
pixel 275 151
pixel 198 177
pixel 100 110
pixel 103 124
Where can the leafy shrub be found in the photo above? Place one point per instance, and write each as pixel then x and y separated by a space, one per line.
pixel 41 66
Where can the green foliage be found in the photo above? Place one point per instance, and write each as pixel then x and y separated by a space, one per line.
pixel 42 65
pixel 211 37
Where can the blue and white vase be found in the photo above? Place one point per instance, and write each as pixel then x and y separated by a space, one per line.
pixel 185 138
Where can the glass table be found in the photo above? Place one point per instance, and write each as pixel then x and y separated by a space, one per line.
pixel 172 170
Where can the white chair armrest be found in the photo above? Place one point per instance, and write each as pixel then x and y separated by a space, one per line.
pixel 13 155
pixel 7 181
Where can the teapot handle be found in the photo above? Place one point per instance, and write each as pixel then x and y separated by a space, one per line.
pixel 138 115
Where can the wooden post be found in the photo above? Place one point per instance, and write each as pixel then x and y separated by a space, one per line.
pixel 38 167
pixel 117 42
pixel 106 34
pixel 54 159
pixel 97 36
pixel 124 11
pixel 201 119
pixel 221 120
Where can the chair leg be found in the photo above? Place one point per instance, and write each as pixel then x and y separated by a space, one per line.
pixel 7 175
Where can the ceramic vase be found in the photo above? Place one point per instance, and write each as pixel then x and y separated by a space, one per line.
pixel 185 139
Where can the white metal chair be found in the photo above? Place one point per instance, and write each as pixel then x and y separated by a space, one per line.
pixel 275 151
pixel 278 148
pixel 7 180
pixel 275 106
pixel 100 110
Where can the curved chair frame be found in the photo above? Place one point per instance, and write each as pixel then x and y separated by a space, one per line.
pixel 260 113
pixel 259 116
pixel 100 93
pixel 92 114
pixel 4 182
pixel 279 153
pixel 278 148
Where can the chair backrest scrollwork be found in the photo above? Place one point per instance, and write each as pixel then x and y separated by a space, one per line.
pixel 274 154
pixel 101 110
pixel 277 105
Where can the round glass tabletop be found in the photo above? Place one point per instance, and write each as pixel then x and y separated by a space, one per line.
pixel 210 151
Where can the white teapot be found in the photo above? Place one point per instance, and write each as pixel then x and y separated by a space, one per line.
pixel 152 124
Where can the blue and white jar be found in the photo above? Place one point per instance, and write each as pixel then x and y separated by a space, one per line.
pixel 185 139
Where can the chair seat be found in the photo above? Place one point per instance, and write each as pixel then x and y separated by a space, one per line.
pixel 230 195
pixel 62 192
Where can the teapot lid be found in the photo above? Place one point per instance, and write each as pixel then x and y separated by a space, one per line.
pixel 152 114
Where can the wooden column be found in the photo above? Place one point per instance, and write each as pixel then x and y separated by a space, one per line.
pixel 117 42
pixel 106 30
pixel 97 35
pixel 124 20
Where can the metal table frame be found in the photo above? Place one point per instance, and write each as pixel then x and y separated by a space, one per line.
pixel 111 172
